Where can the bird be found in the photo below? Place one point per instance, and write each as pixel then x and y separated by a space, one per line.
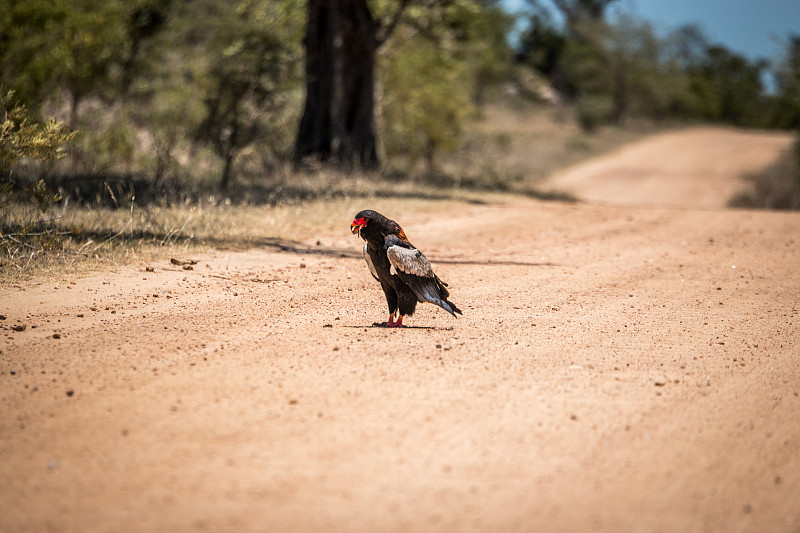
pixel 405 274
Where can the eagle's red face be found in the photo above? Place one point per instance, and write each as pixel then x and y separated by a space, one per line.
pixel 357 225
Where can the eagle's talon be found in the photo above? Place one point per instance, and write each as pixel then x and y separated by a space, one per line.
pixel 391 323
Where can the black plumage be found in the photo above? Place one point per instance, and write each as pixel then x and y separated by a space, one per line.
pixel 405 274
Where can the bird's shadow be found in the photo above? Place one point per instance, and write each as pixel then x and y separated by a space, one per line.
pixel 376 325
pixel 493 263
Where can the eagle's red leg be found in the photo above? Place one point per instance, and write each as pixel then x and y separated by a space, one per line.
pixel 392 323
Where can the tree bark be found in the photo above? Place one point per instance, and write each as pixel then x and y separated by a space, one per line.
pixel 338 122
pixel 620 94
pixel 226 170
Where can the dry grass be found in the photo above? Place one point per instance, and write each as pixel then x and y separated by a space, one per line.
pixel 515 145
pixel 86 239
pixel 511 148
pixel 776 187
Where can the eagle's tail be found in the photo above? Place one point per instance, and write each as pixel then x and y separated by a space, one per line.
pixel 448 306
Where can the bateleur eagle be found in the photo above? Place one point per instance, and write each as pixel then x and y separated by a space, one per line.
pixel 405 274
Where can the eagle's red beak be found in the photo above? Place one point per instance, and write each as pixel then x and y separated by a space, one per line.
pixel 357 224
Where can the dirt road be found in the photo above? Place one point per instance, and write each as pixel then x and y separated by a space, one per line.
pixel 616 369
pixel 696 168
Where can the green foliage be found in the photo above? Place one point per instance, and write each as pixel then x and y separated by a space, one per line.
pixel 622 68
pixel 728 87
pixel 584 65
pixel 592 111
pixel 437 67
pixel 43 196
pixel 113 146
pixel 253 64
pixel 542 44
pixel 786 113
pixel 484 45
pixel 208 88
pixel 592 60
pixel 27 61
pixel 20 138
pixel 65 54
pixel 423 116
pixel 76 46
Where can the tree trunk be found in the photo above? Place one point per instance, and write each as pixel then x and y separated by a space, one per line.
pixel 226 170
pixel 338 122
pixel 620 94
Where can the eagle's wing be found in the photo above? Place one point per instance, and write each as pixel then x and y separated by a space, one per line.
pixel 415 270
pixel 370 264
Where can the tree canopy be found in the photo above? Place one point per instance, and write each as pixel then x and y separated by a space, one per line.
pixel 615 67
pixel 214 89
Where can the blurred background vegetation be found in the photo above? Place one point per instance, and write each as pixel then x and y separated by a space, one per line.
pixel 166 102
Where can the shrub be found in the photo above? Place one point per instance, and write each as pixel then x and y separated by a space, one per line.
pixel 777 187
pixel 20 138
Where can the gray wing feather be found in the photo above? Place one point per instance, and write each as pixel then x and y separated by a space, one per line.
pixel 409 261
pixel 414 268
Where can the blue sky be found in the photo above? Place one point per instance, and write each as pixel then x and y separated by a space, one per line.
pixel 753 28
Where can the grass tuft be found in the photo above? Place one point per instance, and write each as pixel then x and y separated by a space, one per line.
pixel 776 187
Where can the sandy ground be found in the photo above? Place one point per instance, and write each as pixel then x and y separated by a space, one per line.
pixel 697 168
pixel 616 369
